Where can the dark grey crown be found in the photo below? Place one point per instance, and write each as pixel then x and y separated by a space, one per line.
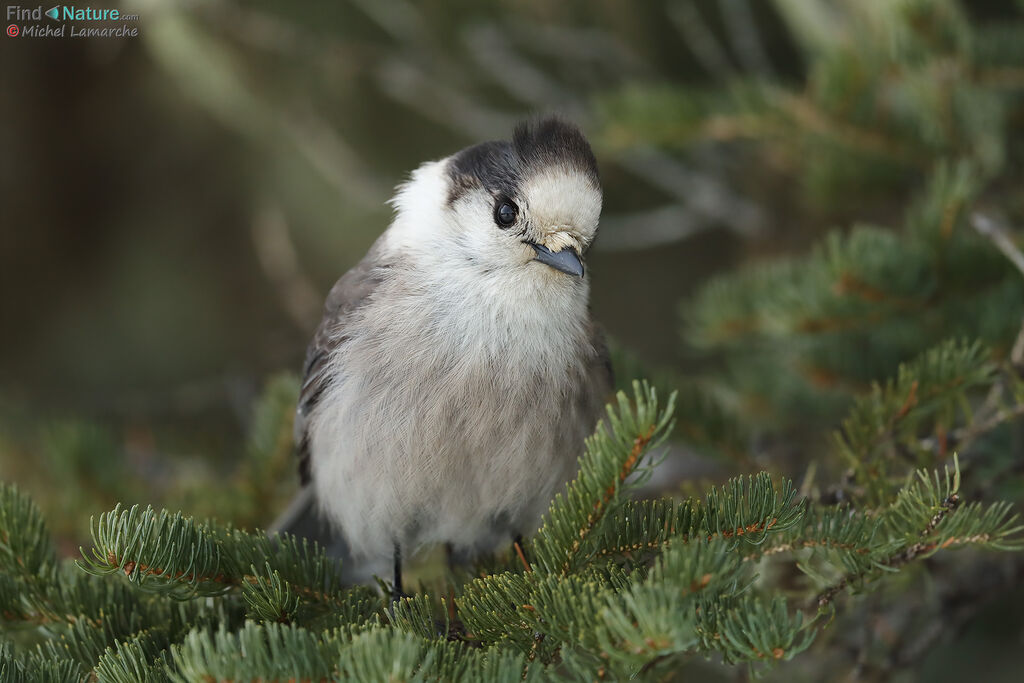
pixel 501 166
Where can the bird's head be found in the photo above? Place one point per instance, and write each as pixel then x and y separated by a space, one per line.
pixel 529 206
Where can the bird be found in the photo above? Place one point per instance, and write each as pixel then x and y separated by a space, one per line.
pixel 457 371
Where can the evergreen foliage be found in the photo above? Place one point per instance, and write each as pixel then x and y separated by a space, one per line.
pixel 909 103
pixel 606 587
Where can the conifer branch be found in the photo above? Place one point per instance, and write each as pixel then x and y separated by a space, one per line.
pixel 935 383
pixel 614 453
pixel 928 516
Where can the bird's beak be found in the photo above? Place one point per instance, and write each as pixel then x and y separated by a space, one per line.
pixel 566 260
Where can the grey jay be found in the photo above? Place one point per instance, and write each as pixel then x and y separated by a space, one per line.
pixel 457 371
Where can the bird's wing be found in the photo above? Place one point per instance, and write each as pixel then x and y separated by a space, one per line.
pixel 349 293
pixel 602 378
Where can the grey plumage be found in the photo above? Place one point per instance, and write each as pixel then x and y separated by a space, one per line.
pixel 454 377
pixel 347 294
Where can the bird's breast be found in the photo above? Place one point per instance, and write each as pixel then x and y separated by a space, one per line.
pixel 451 410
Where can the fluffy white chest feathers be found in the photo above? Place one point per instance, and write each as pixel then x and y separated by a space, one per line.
pixel 455 412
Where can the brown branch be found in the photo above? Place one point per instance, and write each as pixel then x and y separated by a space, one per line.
pixel 600 507
pixel 850 284
pixel 538 638
pixel 131 565
pixel 909 403
pixel 227 581
pixel 749 529
pixel 807 543
pixel 522 556
pixel 907 555
pixel 671 531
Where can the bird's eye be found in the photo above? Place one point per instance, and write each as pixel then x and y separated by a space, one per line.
pixel 505 213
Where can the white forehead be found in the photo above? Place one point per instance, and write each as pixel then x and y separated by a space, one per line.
pixel 564 198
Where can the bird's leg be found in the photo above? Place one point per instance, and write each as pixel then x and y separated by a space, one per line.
pixel 517 545
pixel 449 557
pixel 396 585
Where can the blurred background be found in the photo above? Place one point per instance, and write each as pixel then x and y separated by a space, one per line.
pixel 176 206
